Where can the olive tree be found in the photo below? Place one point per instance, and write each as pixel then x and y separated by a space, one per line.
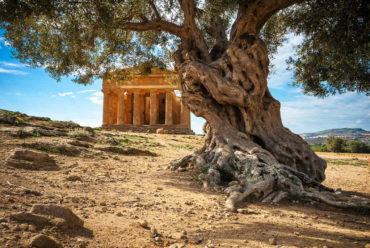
pixel 221 51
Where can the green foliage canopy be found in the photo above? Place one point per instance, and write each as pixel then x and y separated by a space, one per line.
pixel 337 144
pixel 334 55
pixel 90 38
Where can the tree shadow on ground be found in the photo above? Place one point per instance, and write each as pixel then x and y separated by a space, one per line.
pixel 186 182
pixel 348 219
pixel 261 232
pixel 79 232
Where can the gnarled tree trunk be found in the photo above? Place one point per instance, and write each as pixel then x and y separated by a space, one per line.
pixel 245 139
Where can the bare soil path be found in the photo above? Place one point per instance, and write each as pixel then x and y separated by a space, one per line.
pixel 333 155
pixel 112 193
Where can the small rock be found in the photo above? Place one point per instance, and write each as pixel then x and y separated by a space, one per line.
pixel 74 178
pixel 143 223
pixel 43 241
pixel 32 228
pixel 31 160
pixel 242 211
pixel 272 241
pixel 154 231
pixel 160 131
pixel 16 228
pixel 177 245
pixel 183 235
pixel 70 219
pixel 119 214
pixel 82 243
pixel 30 218
pixel 23 227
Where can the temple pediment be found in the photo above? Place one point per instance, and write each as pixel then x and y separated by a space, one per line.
pixel 145 103
pixel 156 79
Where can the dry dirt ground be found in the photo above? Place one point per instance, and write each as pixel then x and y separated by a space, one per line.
pixel 113 192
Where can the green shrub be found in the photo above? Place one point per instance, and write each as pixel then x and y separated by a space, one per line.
pixel 319 148
pixel 78 132
pixel 356 146
pixel 336 144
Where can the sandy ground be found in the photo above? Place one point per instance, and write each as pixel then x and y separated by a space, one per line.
pixel 359 156
pixel 117 191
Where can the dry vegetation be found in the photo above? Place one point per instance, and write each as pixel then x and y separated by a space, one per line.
pixel 119 184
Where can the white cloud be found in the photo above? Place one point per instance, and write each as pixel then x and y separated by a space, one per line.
pixel 13 72
pixel 99 93
pixel 96 98
pixel 309 114
pixel 4 41
pixel 8 64
pixel 85 91
pixel 197 124
pixel 65 94
pixel 280 76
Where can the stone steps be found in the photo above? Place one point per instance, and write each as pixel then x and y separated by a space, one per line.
pixel 171 129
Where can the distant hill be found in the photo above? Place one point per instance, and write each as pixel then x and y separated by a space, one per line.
pixel 346 133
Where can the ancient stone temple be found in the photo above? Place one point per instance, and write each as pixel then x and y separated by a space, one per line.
pixel 145 103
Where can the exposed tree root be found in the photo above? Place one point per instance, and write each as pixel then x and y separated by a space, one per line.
pixel 268 182
pixel 246 141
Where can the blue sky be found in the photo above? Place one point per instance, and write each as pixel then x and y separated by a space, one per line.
pixel 34 92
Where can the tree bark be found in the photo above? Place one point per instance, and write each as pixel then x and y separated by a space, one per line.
pixel 245 140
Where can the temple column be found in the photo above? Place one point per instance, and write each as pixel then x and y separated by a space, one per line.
pixel 113 108
pixel 128 108
pixel 138 118
pixel 169 103
pixel 185 115
pixel 105 107
pixel 120 108
pixel 154 114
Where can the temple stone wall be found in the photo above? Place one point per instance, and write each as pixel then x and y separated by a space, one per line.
pixel 145 103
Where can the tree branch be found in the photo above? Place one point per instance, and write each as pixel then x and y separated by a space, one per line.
pixel 188 6
pixel 193 32
pixel 217 30
pixel 157 25
pixel 253 14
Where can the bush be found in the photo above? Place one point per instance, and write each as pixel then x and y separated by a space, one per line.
pixel 356 146
pixel 335 144
pixel 78 132
pixel 319 148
